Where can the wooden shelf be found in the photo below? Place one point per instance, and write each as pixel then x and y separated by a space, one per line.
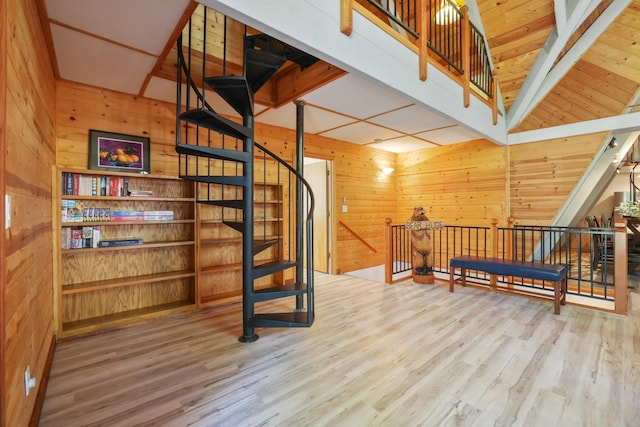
pixel 117 286
pixel 123 318
pixel 220 268
pixel 220 247
pixel 125 281
pixel 116 223
pixel 130 247
pixel 130 198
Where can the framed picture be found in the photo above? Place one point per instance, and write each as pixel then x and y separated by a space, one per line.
pixel 118 152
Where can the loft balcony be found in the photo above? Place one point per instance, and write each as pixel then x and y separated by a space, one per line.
pixel 440 32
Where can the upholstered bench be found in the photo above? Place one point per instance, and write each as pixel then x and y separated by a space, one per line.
pixel 557 274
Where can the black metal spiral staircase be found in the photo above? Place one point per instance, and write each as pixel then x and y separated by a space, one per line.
pixel 222 156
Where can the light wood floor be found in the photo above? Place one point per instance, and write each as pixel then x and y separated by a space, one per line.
pixel 378 355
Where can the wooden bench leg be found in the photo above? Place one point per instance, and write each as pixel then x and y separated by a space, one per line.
pixel 463 273
pixel 556 296
pixel 451 280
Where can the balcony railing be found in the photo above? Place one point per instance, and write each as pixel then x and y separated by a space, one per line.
pixel 595 277
pixel 442 35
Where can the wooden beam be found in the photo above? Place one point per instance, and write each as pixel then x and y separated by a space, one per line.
pixel 423 55
pixel 292 83
pixel 575 53
pixel 3 269
pixel 621 267
pixel 171 44
pixel 621 123
pixel 346 16
pixel 465 35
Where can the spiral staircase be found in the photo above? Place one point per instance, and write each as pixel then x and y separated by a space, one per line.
pixel 223 158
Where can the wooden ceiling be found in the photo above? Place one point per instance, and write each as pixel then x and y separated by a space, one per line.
pixel 603 82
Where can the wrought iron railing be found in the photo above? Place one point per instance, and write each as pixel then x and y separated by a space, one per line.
pixel 588 254
pixel 398 250
pixel 401 12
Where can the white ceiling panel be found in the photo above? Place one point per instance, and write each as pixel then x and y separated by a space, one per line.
pixel 450 135
pixel 411 120
pixel 93 61
pixel 316 120
pixel 142 24
pixel 357 97
pixel 284 116
pixel 402 145
pixel 361 133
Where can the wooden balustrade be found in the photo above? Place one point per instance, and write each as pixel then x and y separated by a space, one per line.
pixel 424 13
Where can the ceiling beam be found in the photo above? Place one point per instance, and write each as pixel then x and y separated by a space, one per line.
pixel 621 123
pixel 554 45
pixel 578 49
pixel 560 10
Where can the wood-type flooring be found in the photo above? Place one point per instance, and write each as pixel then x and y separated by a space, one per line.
pixel 377 355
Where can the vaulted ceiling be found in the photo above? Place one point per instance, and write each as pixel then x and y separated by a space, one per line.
pixel 556 63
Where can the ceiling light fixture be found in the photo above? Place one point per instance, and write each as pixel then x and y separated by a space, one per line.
pixel 613 143
pixel 448 12
pixel 387 170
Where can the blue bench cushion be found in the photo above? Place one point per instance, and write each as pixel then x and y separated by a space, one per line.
pixel 507 267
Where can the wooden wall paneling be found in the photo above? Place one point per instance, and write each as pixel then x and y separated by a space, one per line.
pixel 353 165
pixel 3 278
pixel 540 184
pixel 29 155
pixel 81 108
pixel 459 184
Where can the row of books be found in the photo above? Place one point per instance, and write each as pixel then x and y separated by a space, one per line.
pixel 75 184
pixel 76 211
pixel 89 237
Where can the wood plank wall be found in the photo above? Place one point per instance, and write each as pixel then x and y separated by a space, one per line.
pixel 461 184
pixel 471 183
pixel 3 279
pixel 358 169
pixel 29 157
pixel 543 175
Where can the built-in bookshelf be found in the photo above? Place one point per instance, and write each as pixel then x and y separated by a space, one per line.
pixel 220 246
pixel 126 248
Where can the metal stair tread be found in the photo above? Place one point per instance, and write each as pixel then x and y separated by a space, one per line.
pixel 284 320
pixel 212 152
pixel 260 245
pixel 235 90
pixel 234 204
pixel 260 67
pixel 239 181
pixel 236 225
pixel 280 291
pixel 271 267
pixel 212 120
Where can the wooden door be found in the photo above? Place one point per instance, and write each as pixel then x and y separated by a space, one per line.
pixel 316 173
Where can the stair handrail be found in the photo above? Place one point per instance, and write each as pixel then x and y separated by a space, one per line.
pixel 357 236
pixel 187 72
pixel 309 217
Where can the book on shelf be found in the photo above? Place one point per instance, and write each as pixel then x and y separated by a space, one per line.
pixel 77 184
pixel 140 193
pixel 126 216
pixel 158 215
pixel 80 237
pixel 124 241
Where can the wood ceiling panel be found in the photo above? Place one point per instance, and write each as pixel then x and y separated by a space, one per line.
pixel 516 31
pixel 601 83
